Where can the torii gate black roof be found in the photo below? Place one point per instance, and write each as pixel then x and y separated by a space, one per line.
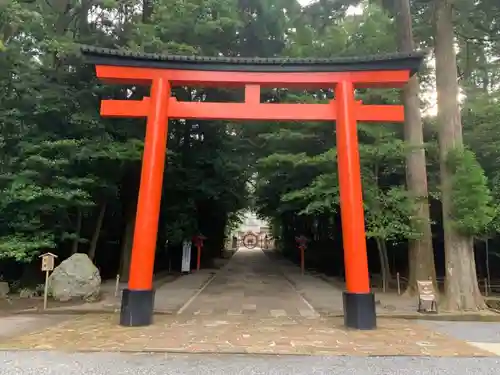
pixel 394 61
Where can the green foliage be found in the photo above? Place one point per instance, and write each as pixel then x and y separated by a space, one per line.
pixel 298 177
pixel 59 160
pixel 25 248
pixel 388 214
pixel 472 203
pixel 59 157
pixel 321 196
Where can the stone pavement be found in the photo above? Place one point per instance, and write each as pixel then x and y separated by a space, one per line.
pixel 250 284
pixel 324 297
pixel 325 294
pixel 22 324
pixel 171 297
pixel 244 335
pixel 249 307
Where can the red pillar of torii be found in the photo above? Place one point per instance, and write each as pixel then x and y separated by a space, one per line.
pixel 162 72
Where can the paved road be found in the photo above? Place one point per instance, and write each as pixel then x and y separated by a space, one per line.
pixel 485 336
pixel 52 363
pixel 488 332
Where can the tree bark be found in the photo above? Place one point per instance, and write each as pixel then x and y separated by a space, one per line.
pixel 83 18
pixel 385 267
pixel 461 286
pixel 76 240
pixel 127 241
pixel 147 10
pixel 97 232
pixel 420 253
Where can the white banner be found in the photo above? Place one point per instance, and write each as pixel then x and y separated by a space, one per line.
pixel 186 257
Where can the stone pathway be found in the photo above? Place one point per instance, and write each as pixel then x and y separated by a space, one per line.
pixel 250 284
pixel 324 297
pixel 169 298
pixel 244 334
pixel 23 324
pixel 254 304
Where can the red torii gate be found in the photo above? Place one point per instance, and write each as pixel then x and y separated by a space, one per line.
pixel 162 72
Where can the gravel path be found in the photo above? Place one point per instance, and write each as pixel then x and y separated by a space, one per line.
pixel 53 363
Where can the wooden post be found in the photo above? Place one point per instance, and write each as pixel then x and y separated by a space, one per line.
pixel 48 260
pixel 198 242
pixel 351 198
pixel 488 277
pixel 359 302
pixel 198 257
pixel 302 260
pixel 46 290
pixel 138 299
pixel 117 284
pixel 302 245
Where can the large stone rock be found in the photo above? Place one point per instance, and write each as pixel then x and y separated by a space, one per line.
pixel 4 289
pixel 75 278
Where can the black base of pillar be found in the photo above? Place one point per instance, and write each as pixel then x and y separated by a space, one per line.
pixel 359 311
pixel 137 308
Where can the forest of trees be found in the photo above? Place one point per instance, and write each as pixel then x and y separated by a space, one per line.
pixel 69 178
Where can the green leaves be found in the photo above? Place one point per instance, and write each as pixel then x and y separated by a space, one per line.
pixel 59 157
pixel 388 213
pixel 297 175
pixel 321 196
pixel 25 248
pixel 472 203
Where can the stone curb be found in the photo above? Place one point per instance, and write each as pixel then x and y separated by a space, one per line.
pixel 78 312
pixel 445 318
pixel 232 352
pixel 438 318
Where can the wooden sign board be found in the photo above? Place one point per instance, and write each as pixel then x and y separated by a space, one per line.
pixel 47 267
pixel 48 260
pixel 427 301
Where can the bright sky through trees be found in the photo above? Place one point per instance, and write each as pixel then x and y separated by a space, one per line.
pixel 352 10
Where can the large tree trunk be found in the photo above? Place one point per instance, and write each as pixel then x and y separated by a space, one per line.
pixel 385 268
pixel 97 232
pixel 421 255
pixel 461 287
pixel 126 248
pixel 78 229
